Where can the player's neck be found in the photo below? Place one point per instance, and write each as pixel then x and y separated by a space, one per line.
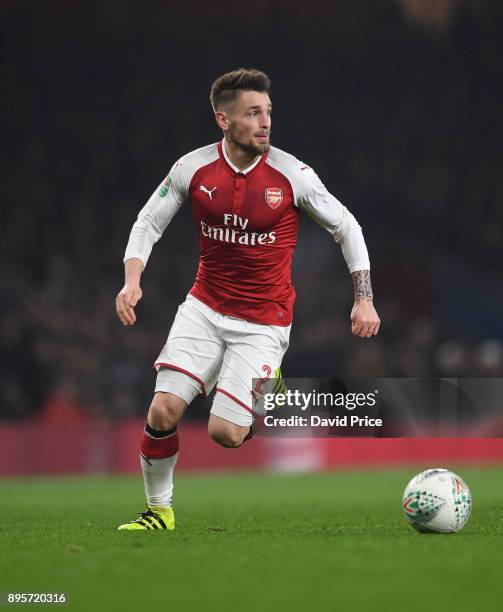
pixel 240 158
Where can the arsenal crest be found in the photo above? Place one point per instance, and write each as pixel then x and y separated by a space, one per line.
pixel 273 197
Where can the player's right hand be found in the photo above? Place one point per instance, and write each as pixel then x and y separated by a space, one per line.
pixel 125 303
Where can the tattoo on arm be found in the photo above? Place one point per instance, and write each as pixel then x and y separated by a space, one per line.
pixel 363 286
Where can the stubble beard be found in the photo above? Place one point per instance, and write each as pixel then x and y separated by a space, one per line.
pixel 249 148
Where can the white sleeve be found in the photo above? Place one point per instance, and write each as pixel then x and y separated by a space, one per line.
pixel 313 197
pixel 157 213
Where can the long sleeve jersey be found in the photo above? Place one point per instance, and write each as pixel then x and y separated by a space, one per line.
pixel 247 222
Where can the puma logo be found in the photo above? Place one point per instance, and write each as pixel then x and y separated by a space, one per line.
pixel 210 193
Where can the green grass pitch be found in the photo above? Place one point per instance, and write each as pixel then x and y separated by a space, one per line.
pixel 331 541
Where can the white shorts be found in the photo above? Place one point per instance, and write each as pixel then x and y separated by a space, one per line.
pixel 206 348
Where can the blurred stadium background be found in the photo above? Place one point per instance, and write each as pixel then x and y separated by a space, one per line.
pixel 395 103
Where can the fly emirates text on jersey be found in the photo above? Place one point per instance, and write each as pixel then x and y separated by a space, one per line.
pixel 234 230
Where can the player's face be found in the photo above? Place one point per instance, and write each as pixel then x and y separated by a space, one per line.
pixel 249 122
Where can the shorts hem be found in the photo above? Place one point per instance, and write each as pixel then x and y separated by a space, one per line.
pixel 177 392
pixel 235 399
pixel 239 418
pixel 158 365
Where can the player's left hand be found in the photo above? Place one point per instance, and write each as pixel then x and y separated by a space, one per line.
pixel 364 320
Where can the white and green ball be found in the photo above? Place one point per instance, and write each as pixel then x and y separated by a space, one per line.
pixel 437 500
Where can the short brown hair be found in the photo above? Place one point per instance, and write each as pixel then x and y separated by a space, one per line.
pixel 227 87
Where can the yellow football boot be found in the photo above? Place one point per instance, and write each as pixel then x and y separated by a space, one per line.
pixel 155 517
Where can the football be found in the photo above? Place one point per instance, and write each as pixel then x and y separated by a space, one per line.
pixel 437 501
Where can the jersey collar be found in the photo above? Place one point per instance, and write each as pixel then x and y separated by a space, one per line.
pixel 259 159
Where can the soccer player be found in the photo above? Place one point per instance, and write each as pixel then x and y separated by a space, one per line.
pixel 234 325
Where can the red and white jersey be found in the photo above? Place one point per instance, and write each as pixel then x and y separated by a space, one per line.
pixel 247 223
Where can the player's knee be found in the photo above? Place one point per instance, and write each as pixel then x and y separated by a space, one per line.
pixel 227 436
pixel 227 440
pixel 165 411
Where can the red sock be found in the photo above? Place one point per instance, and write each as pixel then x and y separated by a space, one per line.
pixel 158 444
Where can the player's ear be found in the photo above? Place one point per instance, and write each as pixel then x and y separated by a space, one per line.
pixel 222 119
